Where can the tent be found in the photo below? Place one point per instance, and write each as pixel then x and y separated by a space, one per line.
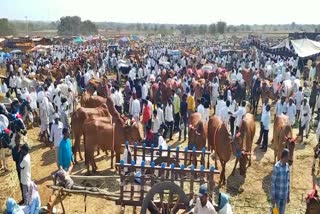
pixel 299 47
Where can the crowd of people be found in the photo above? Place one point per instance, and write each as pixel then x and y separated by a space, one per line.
pixel 49 102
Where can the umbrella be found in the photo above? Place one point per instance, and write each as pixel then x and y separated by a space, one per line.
pixel 79 40
pixel 16 51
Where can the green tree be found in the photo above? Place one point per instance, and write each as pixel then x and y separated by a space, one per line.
pixel 221 27
pixel 6 28
pixel 88 28
pixel 212 28
pixel 202 29
pixel 69 26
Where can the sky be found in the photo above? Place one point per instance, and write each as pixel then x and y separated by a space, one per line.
pixel 234 12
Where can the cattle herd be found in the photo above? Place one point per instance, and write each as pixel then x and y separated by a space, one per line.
pixel 99 88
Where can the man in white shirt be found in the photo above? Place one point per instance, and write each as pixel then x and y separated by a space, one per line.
pixel 215 92
pixel 144 90
pixel 135 108
pixel 25 167
pixel 298 100
pixel 305 117
pixel 266 125
pixel 56 135
pixel 281 107
pixel 291 111
pixel 220 105
pixel 225 114
pixel 239 114
pixel 203 205
pixel 261 123
pixel 160 113
pixel 168 116
pixel 200 109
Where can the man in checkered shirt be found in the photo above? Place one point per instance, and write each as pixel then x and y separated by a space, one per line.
pixel 280 182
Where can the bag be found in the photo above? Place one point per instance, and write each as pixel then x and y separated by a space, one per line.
pixel 275 210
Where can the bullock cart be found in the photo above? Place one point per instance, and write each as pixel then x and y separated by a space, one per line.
pixel 94 186
pixel 163 188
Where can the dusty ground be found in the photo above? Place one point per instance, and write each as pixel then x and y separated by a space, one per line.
pixel 249 195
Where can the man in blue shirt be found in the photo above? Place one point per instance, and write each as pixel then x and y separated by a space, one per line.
pixel 65 152
pixel 280 182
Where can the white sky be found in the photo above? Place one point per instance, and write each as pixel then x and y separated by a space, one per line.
pixel 168 11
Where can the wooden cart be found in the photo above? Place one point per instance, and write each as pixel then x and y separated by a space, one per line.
pixel 165 187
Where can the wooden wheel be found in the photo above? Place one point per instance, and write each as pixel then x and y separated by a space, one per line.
pixel 164 198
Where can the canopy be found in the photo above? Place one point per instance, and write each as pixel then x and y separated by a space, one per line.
pixel 16 51
pixel 299 47
pixel 40 48
pixel 305 47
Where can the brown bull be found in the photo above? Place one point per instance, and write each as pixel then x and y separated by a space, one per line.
pixel 197 132
pixel 247 76
pixel 243 140
pixel 89 101
pixel 282 137
pixel 77 119
pixel 219 140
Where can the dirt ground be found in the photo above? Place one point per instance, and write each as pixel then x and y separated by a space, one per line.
pixel 248 195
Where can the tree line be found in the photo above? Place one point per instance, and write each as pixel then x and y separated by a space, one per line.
pixel 74 26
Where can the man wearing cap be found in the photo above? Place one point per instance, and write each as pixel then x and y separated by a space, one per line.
pixel 56 135
pixel 203 205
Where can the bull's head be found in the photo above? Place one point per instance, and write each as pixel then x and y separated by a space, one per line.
pixel 243 160
pixel 290 144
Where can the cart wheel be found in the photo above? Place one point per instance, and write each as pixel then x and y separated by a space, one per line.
pixel 164 198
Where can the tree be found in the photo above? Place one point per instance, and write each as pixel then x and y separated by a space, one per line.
pixel 138 27
pixel 69 26
pixel 221 27
pixel 88 28
pixel 293 25
pixel 212 28
pixel 6 28
pixel 202 29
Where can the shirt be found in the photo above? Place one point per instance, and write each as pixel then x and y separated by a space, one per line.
pixel 135 108
pixel 280 181
pixel 239 115
pixel 280 108
pixel 265 119
pixel 65 154
pixel 25 166
pixel 220 105
pixel 191 104
pixel 225 116
pixel 200 109
pixel 168 116
pixel 56 133
pixel 176 104
pixel 207 209
pixel 156 125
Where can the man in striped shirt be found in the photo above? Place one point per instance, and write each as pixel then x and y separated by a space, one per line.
pixel 280 182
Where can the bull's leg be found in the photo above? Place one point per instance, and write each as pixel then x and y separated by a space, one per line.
pixel 76 147
pixel 235 165
pixel 222 173
pixel 275 156
pixel 112 155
